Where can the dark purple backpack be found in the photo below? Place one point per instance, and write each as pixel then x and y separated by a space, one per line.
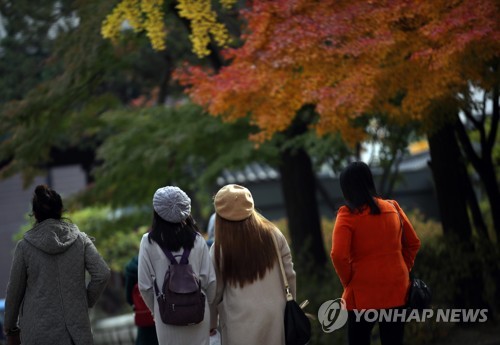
pixel 181 301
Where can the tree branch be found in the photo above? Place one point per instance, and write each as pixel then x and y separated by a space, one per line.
pixel 165 82
pixel 466 144
pixel 482 133
pixel 471 118
pixel 490 141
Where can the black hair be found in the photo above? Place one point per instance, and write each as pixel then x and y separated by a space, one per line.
pixel 356 182
pixel 46 203
pixel 173 236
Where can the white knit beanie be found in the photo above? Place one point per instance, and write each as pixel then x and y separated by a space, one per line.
pixel 172 204
pixel 234 202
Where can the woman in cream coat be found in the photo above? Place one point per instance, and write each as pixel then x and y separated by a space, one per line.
pixel 250 300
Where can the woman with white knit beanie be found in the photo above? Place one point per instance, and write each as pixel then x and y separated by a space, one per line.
pixel 175 230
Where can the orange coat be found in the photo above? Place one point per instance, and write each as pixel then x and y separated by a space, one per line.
pixel 371 260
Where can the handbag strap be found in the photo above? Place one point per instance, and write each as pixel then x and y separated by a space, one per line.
pixel 288 295
pixel 400 221
pixel 403 237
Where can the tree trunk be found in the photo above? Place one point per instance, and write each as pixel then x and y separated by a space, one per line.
pixel 299 192
pixel 448 173
pixel 483 161
pixel 450 180
pixel 486 170
pixel 488 177
pixel 298 185
pixel 164 86
pixel 477 216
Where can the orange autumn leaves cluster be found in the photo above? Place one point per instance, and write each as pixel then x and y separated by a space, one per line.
pixel 348 58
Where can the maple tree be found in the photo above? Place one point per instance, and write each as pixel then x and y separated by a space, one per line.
pixel 348 58
pixel 414 61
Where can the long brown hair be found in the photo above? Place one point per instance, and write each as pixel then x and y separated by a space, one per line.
pixel 244 250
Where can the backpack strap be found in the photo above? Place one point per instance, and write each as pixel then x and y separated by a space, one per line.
pixel 169 255
pixel 185 255
pixel 157 290
pixel 184 258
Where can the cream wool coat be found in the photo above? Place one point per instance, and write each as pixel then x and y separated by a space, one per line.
pixel 47 288
pixel 254 314
pixel 153 263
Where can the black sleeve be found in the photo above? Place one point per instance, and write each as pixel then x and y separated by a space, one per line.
pixel 130 279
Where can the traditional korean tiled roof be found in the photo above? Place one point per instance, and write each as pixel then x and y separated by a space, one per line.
pixel 258 172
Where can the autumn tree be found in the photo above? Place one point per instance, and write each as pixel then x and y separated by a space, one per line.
pixel 414 61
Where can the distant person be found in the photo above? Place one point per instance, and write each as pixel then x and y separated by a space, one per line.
pixel 146 330
pixel 373 249
pixel 47 289
pixel 211 230
pixel 250 300
pixel 175 230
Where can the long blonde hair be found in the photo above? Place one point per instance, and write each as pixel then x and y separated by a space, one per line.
pixel 244 250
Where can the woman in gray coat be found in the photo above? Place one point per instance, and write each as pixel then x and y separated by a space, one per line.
pixel 47 298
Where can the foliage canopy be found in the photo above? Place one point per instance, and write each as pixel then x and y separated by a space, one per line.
pixel 349 58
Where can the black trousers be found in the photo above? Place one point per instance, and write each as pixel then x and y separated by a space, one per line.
pixel 359 332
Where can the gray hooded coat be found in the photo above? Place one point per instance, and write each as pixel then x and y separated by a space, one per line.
pixel 47 288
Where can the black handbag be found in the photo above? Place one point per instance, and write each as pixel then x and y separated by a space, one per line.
pixel 419 296
pixel 297 324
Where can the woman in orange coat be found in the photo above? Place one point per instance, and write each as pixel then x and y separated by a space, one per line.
pixel 373 250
